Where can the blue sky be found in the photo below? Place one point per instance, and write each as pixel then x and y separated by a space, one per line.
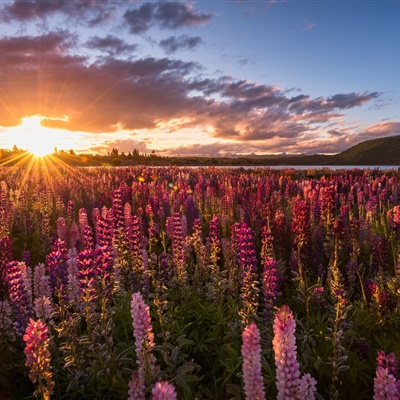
pixel 206 78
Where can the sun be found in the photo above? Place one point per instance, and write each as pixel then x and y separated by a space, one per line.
pixel 37 139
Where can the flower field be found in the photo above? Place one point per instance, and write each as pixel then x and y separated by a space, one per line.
pixel 199 283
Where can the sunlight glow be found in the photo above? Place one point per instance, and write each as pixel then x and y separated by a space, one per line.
pixel 34 137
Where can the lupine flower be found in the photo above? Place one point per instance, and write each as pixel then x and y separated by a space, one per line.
pixel 86 230
pixel 5 257
pixel 388 362
pixel 41 285
pixel 284 343
pixel 20 300
pixel 163 391
pixel 73 234
pixel 62 230
pixel 385 387
pixel 269 286
pixel 38 357
pixel 136 387
pixel 73 287
pixel 251 353
pixel 144 342
pixel 57 268
pixel 247 260
pixel 307 388
pixel 43 307
pixel 5 320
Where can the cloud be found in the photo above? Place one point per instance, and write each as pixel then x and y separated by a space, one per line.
pixel 184 42
pixel 42 75
pixel 167 15
pixel 112 45
pixel 381 129
pixel 27 10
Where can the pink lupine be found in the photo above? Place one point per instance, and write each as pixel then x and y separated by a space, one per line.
pixel 163 391
pixel 307 388
pixel 251 353
pixel 38 357
pixel 385 387
pixel 144 342
pixel 284 343
pixel 136 387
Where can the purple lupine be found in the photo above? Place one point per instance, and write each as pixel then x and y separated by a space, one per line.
pixel 252 374
pixel 5 257
pixel 62 230
pixel 6 320
pixel 41 285
pixel 20 300
pixel 43 307
pixel 105 270
pixel 144 343
pixel 269 287
pixel 163 391
pixel 247 261
pixel 57 268
pixel 284 343
pixel 38 358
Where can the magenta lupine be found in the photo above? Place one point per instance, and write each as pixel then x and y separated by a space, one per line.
pixel 117 211
pixel 269 287
pixel 163 391
pixel 144 343
pixel 176 231
pixel 388 362
pixel 86 230
pixel 284 344
pixel 385 385
pixel 252 373
pixel 105 270
pixel 104 229
pixel 38 358
pixel 87 272
pixel 134 238
pixel 20 300
pixel 247 261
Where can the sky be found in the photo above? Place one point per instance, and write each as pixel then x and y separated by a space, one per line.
pixel 201 78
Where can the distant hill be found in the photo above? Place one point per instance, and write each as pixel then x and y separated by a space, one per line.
pixel 384 151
